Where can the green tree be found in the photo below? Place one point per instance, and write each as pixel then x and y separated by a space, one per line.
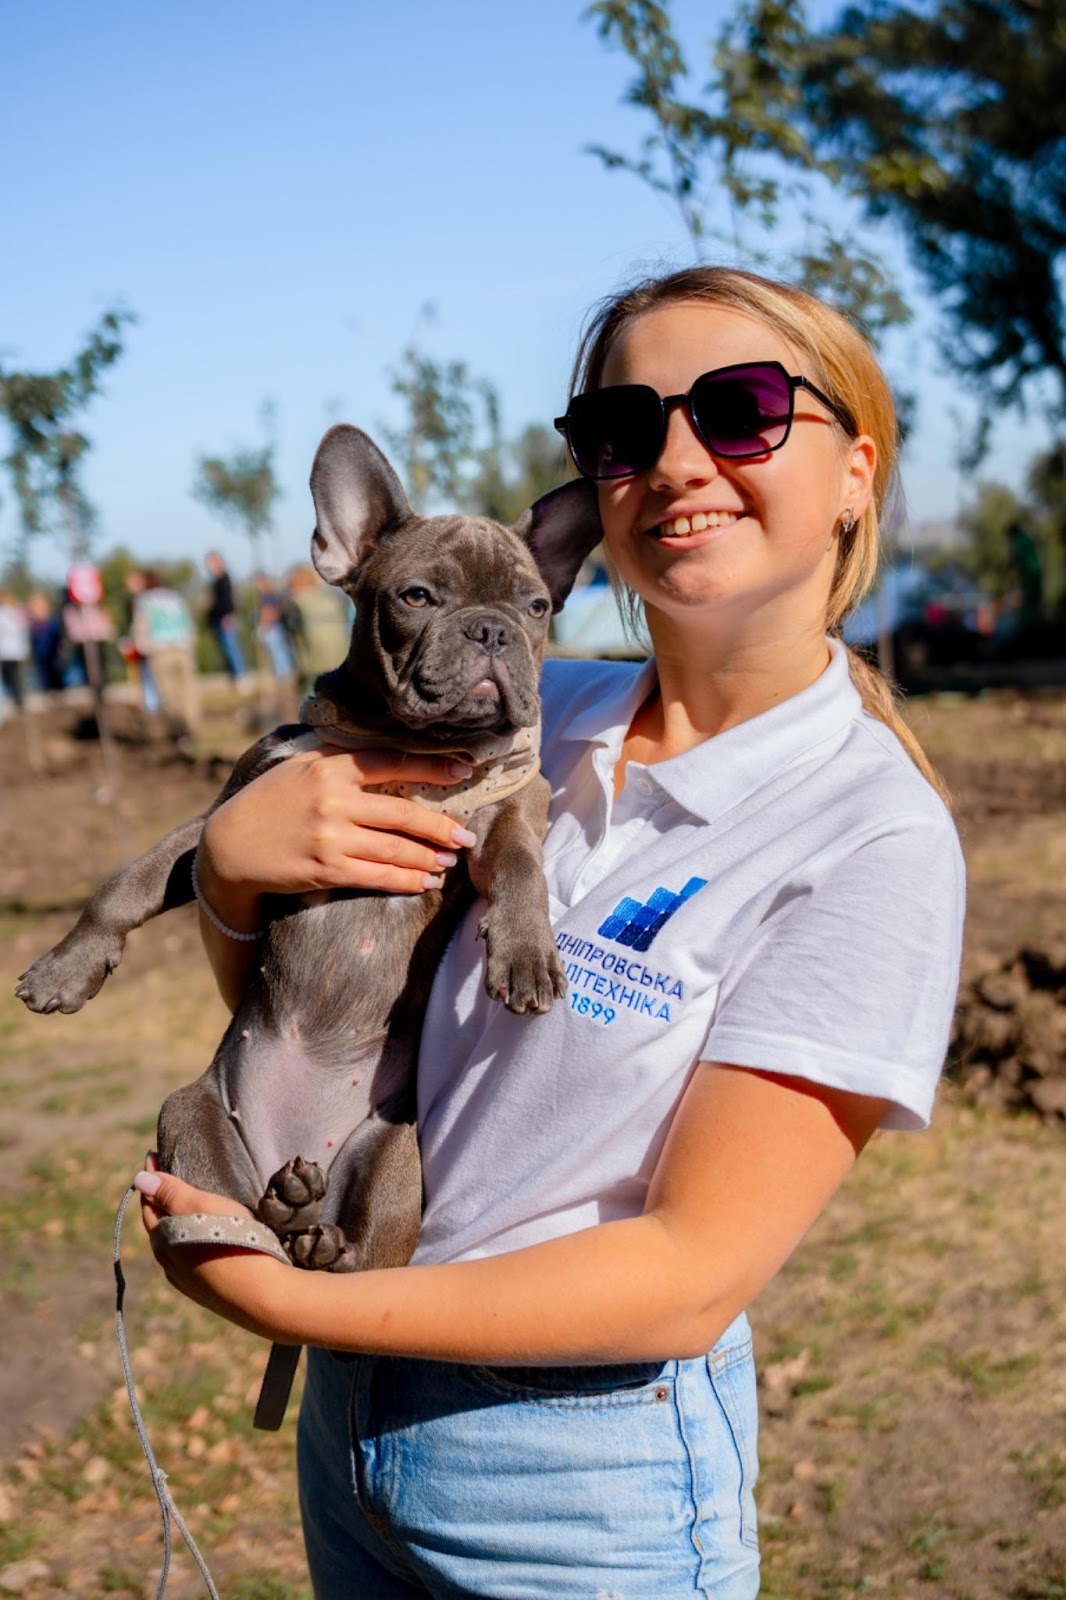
pixel 949 119
pixel 242 488
pixel 732 152
pixel 452 450
pixel 1046 483
pixel 514 473
pixel 47 449
pixel 1041 510
pixel 985 521
pixel 448 416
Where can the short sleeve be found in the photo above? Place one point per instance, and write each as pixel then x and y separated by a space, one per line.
pixel 850 978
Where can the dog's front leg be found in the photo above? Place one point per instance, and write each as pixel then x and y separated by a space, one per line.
pixel 74 970
pixel 506 866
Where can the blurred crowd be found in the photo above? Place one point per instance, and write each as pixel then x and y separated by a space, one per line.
pixel 276 635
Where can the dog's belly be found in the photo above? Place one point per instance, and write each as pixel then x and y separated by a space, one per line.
pixel 286 1102
pixel 329 1032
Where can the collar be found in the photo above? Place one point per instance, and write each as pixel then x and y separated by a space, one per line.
pixel 721 771
pixel 502 763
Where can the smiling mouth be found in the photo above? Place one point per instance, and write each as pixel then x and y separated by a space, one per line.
pixel 698 522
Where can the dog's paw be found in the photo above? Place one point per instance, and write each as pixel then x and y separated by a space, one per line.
pixel 322 1248
pixel 522 970
pixel 293 1198
pixel 70 974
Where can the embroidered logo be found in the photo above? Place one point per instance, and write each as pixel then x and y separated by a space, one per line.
pixel 636 925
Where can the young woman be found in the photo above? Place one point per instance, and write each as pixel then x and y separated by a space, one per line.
pixel 757 892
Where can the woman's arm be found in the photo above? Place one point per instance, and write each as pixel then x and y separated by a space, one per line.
pixel 308 823
pixel 750 1160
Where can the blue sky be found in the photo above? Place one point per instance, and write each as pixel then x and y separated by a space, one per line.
pixel 277 190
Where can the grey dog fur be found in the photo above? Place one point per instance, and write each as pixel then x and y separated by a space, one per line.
pixel 318 1061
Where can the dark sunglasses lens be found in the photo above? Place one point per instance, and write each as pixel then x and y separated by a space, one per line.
pixel 617 432
pixel 743 412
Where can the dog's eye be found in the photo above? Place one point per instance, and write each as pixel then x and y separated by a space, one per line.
pixel 538 608
pixel 415 596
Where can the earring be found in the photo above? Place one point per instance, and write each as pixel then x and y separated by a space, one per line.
pixel 848 523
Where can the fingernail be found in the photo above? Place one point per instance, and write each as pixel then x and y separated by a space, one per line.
pixel 459 769
pixel 431 880
pixel 445 858
pixel 150 1155
pixel 464 836
pixel 148 1182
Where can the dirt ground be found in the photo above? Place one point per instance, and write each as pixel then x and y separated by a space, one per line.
pixel 913 1352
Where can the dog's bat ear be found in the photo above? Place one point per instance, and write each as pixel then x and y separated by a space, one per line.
pixel 561 529
pixel 357 496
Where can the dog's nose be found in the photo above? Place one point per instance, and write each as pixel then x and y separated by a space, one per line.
pixel 489 631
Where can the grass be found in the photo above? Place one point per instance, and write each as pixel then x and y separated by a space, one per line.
pixel 915 1452
pixel 1044 1467
pixel 924 1372
pixel 234 1487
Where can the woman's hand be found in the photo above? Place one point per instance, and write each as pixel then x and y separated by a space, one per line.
pixel 309 823
pixel 241 1285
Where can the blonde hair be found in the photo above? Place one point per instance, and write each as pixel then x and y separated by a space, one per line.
pixel 838 359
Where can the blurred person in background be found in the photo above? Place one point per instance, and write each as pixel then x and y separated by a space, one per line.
pixel 140 671
pixel 14 650
pixel 271 626
pixel 46 643
pixel 273 631
pixel 85 625
pixel 221 616
pixel 162 631
pixel 319 624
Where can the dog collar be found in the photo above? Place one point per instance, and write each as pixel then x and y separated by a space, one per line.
pixel 502 763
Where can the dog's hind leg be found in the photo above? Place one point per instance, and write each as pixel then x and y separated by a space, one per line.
pixel 292 1202
pixel 200 1143
pixel 375 1197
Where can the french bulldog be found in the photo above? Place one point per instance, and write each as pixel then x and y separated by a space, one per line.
pixel 306 1115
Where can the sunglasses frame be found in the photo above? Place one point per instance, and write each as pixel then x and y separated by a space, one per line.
pixel 670 402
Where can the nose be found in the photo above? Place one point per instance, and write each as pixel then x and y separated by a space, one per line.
pixel 489 631
pixel 685 462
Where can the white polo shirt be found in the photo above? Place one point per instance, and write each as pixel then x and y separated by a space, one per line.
pixel 788 896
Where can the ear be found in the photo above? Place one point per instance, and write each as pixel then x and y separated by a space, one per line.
pixel 861 469
pixel 561 528
pixel 357 498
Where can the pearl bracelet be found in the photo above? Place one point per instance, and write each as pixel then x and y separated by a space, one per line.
pixel 212 915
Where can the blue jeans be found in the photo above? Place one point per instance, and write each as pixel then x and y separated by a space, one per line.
pixel 532 1483
pixel 150 700
pixel 229 643
pixel 275 642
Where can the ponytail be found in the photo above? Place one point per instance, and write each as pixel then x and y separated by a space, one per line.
pixel 879 699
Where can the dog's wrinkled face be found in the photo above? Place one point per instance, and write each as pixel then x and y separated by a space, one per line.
pixel 452 612
pixel 453 619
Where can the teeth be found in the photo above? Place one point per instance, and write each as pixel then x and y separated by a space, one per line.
pixel 699 522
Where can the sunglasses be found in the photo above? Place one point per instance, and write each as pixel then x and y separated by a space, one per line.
pixel 738 412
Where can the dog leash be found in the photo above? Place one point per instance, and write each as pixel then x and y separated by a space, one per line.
pixel 198 1228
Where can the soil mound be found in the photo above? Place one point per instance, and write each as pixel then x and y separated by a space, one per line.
pixel 1009 1043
